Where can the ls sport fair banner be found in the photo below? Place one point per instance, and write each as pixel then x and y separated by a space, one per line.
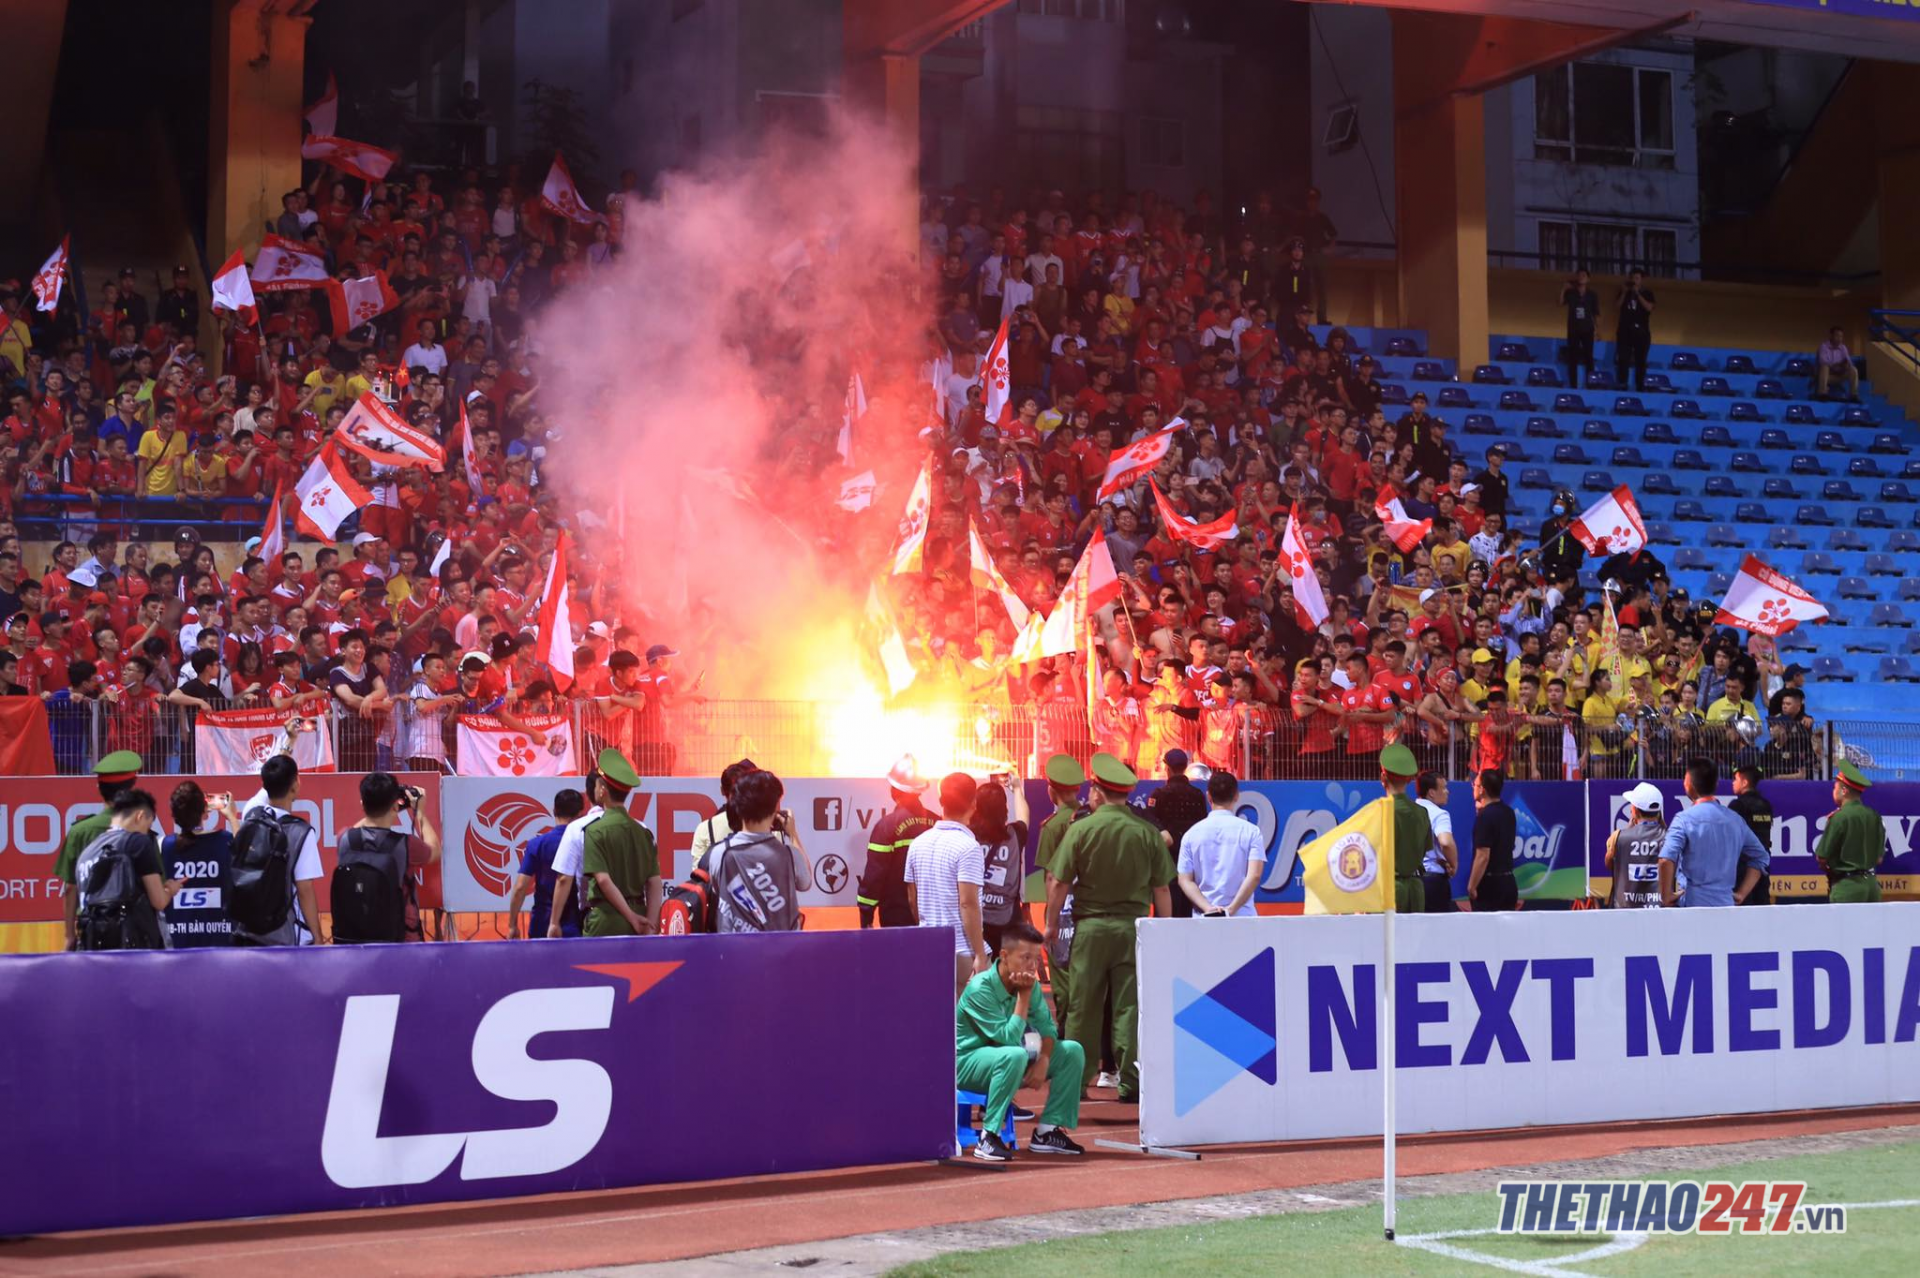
pixel 398 1074
pixel 1271 1028
pixel 36 813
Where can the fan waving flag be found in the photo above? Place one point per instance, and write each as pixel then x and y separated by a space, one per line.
pixel 1611 525
pixel 328 494
pixel 1349 869
pixel 996 382
pixel 232 290
pixel 561 196
pixel 1309 601
pixel 324 115
pixel 913 523
pixel 355 302
pixel 362 159
pixel 986 575
pixel 273 534
pixel 1211 535
pixel 1093 586
pixel 238 742
pixel 1763 601
pixel 48 279
pixel 489 748
pixel 857 493
pixel 283 264
pixel 1405 531
pixel 381 436
pixel 1126 465
pixel 475 488
pixel 555 643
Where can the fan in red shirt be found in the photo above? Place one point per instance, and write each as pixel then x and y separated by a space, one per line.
pixel 1365 709
pixel 1395 677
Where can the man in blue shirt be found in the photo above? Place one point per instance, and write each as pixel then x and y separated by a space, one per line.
pixel 537 874
pixel 1709 848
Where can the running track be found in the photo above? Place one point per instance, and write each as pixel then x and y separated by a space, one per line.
pixel 575 1231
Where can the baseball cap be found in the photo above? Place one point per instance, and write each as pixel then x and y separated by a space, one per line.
pixel 1176 760
pixel 475 661
pixel 364 539
pixel 1793 670
pixel 1481 654
pixel 600 630
pixel 1427 594
pixel 1646 796
pixel 660 650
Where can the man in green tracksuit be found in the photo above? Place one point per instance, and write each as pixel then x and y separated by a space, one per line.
pixel 1064 779
pixel 1116 867
pixel 1412 831
pixel 1853 842
pixel 621 865
pixel 997 1009
pixel 114 774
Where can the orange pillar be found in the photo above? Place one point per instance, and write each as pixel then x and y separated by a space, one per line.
pixel 259 54
pixel 1899 181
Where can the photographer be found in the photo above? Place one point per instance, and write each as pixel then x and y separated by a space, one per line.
pixel 373 883
pixel 760 870
pixel 1634 337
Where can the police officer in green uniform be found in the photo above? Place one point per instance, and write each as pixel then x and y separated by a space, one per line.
pixel 1412 831
pixel 1853 842
pixel 1116 867
pixel 1064 779
pixel 115 774
pixel 621 865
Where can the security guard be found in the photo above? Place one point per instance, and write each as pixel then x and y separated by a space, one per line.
pixel 1116 867
pixel 1064 779
pixel 621 864
pixel 883 887
pixel 1177 807
pixel 1853 842
pixel 115 774
pixel 1412 831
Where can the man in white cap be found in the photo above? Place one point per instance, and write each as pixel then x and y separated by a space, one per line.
pixel 882 893
pixel 1633 850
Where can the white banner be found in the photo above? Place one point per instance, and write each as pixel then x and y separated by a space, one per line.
pixel 487 821
pixel 237 742
pixel 1270 1028
pixel 488 748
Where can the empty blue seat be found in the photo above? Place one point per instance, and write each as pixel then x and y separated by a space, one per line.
pixel 1480 424
pixel 1810 515
pixel 1691 558
pixel 1742 411
pixel 1404 347
pixel 1845 540
pixel 1854 588
pixel 1911 643
pixel 1831 441
pixel 1770 388
pixel 1838 490
pixel 1857 415
pixel 1721 486
pixel 1596 481
pixel 1896 669
pixel 1491 375
pixel 1716 437
pixel 1750 512
pixel 1895 490
pixel 1864 467
pixel 1628 455
pixel 1873 517
pixel 1430 370
pixel 1393 393
pixel 1688 459
pixel 1660 533
pixel 1819 563
pixel 1534 477
pixel 1601 379
pixel 1888 445
pixel 1806 464
pixel 1780 488
pixel 1911 470
pixel 1661 484
pixel 1774 437
pixel 1544 428
pixel 1800 414
pixel 1455 397
pixel 1628 406
pixel 1831 670
pixel 1689 511
pixel 1881 564
pixel 1786 539
pixel 1571 455
pixel 1747 463
pixel 1516 401
pixel 1517 352
pixel 1658 433
pixel 1544 376
pixel 1870 643
pixel 1685 362
pixel 1723 535
pixel 1715 386
pixel 1590 581
pixel 1904 541
pixel 1741 365
pixel 1688 409
pixel 1910 590
pixel 1799 366
pixel 1719 583
pixel 1569 402
pixel 1659 382
pixel 1598 428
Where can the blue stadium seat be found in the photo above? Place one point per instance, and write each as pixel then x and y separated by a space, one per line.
pixel 1658 433
pixel 1809 516
pixel 1454 397
pixel 1911 470
pixel 1747 464
pixel 1722 486
pixel 1857 415
pixel 1660 484
pixel 1750 512
pixel 1854 588
pixel 1689 459
pixel 1819 563
pixel 1897 669
pixel 1713 385
pixel 1912 643
pixel 1774 437
pixel 1691 558
pixel 1800 415
pixel 1799 639
pixel 1659 382
pixel 1685 362
pixel 1544 376
pixel 1799 366
pixel 1896 490
pixel 1569 402
pixel 1660 533
pixel 1491 375
pixel 1806 464
pixel 1831 441
pixel 1517 352
pixel 1742 411
pixel 1393 393
pixel 1404 347
pixel 1865 468
pixel 1687 409
pixel 1430 370
pixel 1779 488
pixel 1724 535
pixel 1628 455
pixel 1602 379
pixel 1888 445
pixel 1786 539
pixel 1910 590
pixel 1480 424
pixel 1905 541
pixel 1534 477
pixel 1689 511
pixel 1719 583
pixel 1869 643
pixel 1571 455
pixel 1739 365
pixel 1881 564
pixel 1831 670
pixel 1598 428
pixel 1596 481
pixel 1770 388
pixel 1516 401
pixel 1838 490
pixel 1845 539
pixel 1544 428
pixel 1873 517
pixel 1628 406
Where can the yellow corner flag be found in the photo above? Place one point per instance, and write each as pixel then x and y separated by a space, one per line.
pixel 1349 869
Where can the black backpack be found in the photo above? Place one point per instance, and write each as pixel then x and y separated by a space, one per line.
pixel 260 895
pixel 117 915
pixel 369 901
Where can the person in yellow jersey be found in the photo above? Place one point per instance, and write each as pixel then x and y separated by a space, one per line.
pixel 1412 831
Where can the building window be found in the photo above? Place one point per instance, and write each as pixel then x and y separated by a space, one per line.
pixel 1604 113
pixel 1608 248
pixel 1071 148
pixel 1163 143
pixel 1556 246
pixel 1660 253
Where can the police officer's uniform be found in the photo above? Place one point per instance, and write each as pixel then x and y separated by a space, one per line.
pixel 1063 770
pixel 622 849
pixel 1852 844
pixel 119 770
pixel 1412 833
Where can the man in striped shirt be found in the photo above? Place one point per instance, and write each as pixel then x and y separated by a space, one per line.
pixel 945 868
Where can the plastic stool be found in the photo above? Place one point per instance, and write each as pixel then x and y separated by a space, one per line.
pixel 963 1131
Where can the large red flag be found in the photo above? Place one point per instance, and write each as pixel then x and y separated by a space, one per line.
pixel 362 159
pixel 561 196
pixel 328 494
pixel 1127 464
pixel 1309 602
pixel 556 619
pixel 1611 525
pixel 1405 531
pixel 354 302
pixel 1761 600
pixel 1211 535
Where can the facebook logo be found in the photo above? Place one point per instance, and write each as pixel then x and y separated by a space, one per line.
pixel 828 814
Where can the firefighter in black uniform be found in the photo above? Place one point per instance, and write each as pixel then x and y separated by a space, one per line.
pixel 1177 807
pixel 883 888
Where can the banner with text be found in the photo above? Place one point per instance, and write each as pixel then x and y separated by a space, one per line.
pixel 1271 1028
pixel 433 1073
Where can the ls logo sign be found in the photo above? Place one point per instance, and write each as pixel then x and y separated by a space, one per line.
pixel 356 1156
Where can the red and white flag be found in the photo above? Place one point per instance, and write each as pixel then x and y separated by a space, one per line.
pixel 273 534
pixel 913 523
pixel 1763 601
pixel 328 493
pixel 232 290
pixel 1138 458
pixel 854 409
pixel 1611 525
pixel 1309 602
pixel 283 264
pixel 561 196
pixel 362 159
pixel 556 619
pixel 1093 586
pixel 1211 535
pixel 383 437
pixel 857 493
pixel 996 381
pixel 324 115
pixel 48 279
pixel 1405 531
pixel 475 487
pixel 236 742
pixel 355 302
pixel 986 575
pixel 488 748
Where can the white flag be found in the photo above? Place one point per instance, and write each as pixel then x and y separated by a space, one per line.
pixel 384 437
pixel 1093 585
pixel 1403 529
pixel 273 535
pixel 1309 603
pixel 1763 601
pixel 362 159
pixel 48 279
pixel 913 523
pixel 855 409
pixel 857 493
pixel 284 264
pixel 986 575
pixel 996 381
pixel 488 748
pixel 475 491
pixel 328 494
pixel 232 290
pixel 561 196
pixel 556 619
pixel 1137 459
pixel 1611 525
pixel 893 649
pixel 237 742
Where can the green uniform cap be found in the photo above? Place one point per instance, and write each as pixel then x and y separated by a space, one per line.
pixel 1111 774
pixel 614 767
pixel 119 766
pixel 1064 769
pixel 1398 761
pixel 1852 776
